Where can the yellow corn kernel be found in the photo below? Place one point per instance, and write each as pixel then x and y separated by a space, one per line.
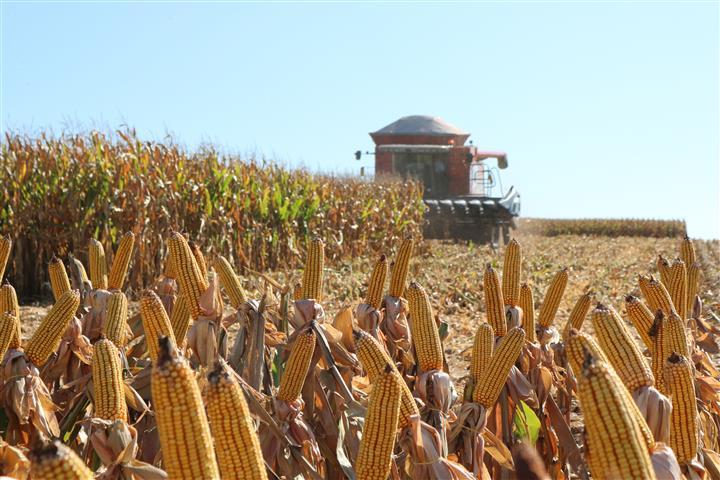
pixel 52 460
pixel 424 330
pixel 551 302
pixel 183 428
pixel 641 317
pixel 189 276
pixel 374 358
pixel 236 444
pixel 230 282
pixel 381 422
pixel 656 295
pixel 297 367
pixel 494 303
pixel 59 281
pixel 675 336
pixel 108 385
pixel 9 303
pixel 527 305
pixel 155 322
pixel 663 267
pixel 678 375
pixel 511 273
pixel 400 268
pixel 677 276
pixel 8 323
pixel 687 251
pixel 116 315
pixel 659 354
pixel 98 265
pixel 578 345
pixel 578 313
pixel 313 274
pixel 121 262
pixel 377 283
pixel 495 374
pixel 199 258
pixel 5 247
pixel 482 350
pixel 46 339
pixel 180 319
pixel 693 284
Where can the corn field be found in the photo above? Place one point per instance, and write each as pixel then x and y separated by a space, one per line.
pixel 630 227
pixel 219 375
pixel 58 192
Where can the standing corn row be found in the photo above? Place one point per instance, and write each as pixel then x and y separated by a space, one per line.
pixel 678 287
pixel 180 319
pixel 482 350
pixel 398 276
pixel 687 251
pixel 5 247
pixel 578 313
pixel 494 302
pixel 617 447
pixel 378 438
pixel 377 283
pixel 9 303
pixel 184 432
pixel 155 322
pixel 46 339
pixel 230 282
pixel 663 267
pixel 52 460
pixel 659 354
pixel 623 353
pixel 313 274
pixel 495 373
pixel 511 273
pixel 297 366
pixel 641 317
pixel 527 305
pixel 683 419
pixel 59 281
pixel 121 262
pixel 551 302
pixel 424 330
pixel 116 314
pixel 693 284
pixel 675 336
pixel 108 385
pixel 98 265
pixel 236 444
pixel 188 274
pixel 7 330
pixel 374 358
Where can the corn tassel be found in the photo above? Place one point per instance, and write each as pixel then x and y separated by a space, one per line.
pixel 424 330
pixel 377 283
pixel 494 302
pixel 46 339
pixel 399 274
pixel 98 265
pixel 108 385
pixel 551 302
pixel 511 273
pixel 121 262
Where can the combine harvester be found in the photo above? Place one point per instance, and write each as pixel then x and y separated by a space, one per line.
pixel 463 194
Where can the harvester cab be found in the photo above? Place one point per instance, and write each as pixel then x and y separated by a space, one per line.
pixel 463 191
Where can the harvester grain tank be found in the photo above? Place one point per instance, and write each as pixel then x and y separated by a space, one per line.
pixel 463 192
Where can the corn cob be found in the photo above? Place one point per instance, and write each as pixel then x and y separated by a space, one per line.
pixel 675 336
pixel 494 303
pixel 623 353
pixel 374 358
pixel 98 265
pixel 297 366
pixel 378 437
pixel 511 273
pixel 663 267
pixel 377 283
pixel 8 324
pixel 644 284
pixel 169 269
pixel 313 274
pixel 657 296
pixel 108 385
pixel 297 291
pixel 59 281
pixel 46 339
pixel 155 322
pixel 180 319
pixel 52 460
pixel 578 313
pixel 687 251
pixel 9 303
pixel 527 305
pixel 482 350
pixel 121 262
pixel 659 354
pixel 423 329
pixel 617 446
pixel 398 276
pixel 683 419
pixel 189 276
pixel 551 302
pixel 678 287
pixel 230 281
pixel 184 432
pixel 496 372
pixel 236 444
pixel 5 247
pixel 199 258
pixel 641 316
pixel 693 284
pixel 116 314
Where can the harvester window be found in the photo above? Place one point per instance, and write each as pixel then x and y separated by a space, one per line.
pixel 429 168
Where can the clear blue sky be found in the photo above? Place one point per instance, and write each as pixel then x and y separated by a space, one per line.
pixel 605 109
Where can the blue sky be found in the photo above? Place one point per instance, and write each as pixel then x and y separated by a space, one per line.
pixel 605 109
